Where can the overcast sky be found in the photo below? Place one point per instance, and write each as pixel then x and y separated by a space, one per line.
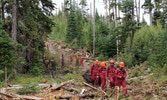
pixel 100 7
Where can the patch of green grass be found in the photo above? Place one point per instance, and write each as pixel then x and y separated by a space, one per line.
pixel 76 76
pixel 159 77
pixel 57 80
pixel 24 79
pixel 29 79
pixel 135 82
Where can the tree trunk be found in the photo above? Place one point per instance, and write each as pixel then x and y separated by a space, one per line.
pixel 119 12
pixel 138 12
pixel 94 29
pixel 150 12
pixel 115 13
pixel 14 22
pixel 6 77
pixel 133 30
pixel 105 2
pixel 2 10
pixel 133 17
pixel 113 17
pixel 91 12
pixel 109 24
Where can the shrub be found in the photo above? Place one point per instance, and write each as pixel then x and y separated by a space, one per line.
pixel 136 73
pixel 28 89
pixel 37 67
pixel 126 58
pixel 146 45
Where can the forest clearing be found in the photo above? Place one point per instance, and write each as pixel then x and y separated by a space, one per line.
pixel 83 49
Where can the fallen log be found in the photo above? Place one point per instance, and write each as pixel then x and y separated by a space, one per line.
pixel 7 95
pixel 61 85
pixel 94 87
pixel 44 85
pixel 27 97
pixel 78 95
pixel 83 90
pixel 71 89
pixel 139 77
pixel 90 86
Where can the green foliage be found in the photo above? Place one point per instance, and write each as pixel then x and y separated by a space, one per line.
pixel 7 50
pixel 28 89
pixel 127 58
pixel 165 68
pixel 37 67
pixel 105 48
pixel 164 14
pixel 1 72
pixel 136 73
pixel 146 45
pixel 128 26
pixel 8 53
pixel 148 5
pixel 163 48
pixel 71 26
pixel 60 29
pixel 76 76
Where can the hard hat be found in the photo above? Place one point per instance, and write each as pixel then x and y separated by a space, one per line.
pixel 103 64
pixel 121 64
pixel 96 62
pixel 112 61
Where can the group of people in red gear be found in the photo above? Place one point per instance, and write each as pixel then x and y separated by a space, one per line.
pixel 100 72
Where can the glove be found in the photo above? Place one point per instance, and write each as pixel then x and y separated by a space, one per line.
pixel 123 77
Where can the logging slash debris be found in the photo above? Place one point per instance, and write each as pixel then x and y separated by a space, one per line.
pixel 69 90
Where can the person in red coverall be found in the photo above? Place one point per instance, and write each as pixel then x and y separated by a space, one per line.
pixel 103 74
pixel 71 58
pixel 120 78
pixel 111 72
pixel 47 46
pixel 94 70
pixel 81 61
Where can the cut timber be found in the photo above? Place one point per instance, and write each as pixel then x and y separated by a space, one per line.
pixel 27 97
pixel 78 95
pixel 11 87
pixel 140 77
pixel 71 89
pixel 83 90
pixel 44 85
pixel 61 85
pixel 90 86
pixel 94 87
pixel 7 95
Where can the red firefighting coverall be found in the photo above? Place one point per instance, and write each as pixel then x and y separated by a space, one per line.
pixel 111 72
pixel 120 79
pixel 94 70
pixel 81 61
pixel 47 46
pixel 103 75
pixel 71 58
